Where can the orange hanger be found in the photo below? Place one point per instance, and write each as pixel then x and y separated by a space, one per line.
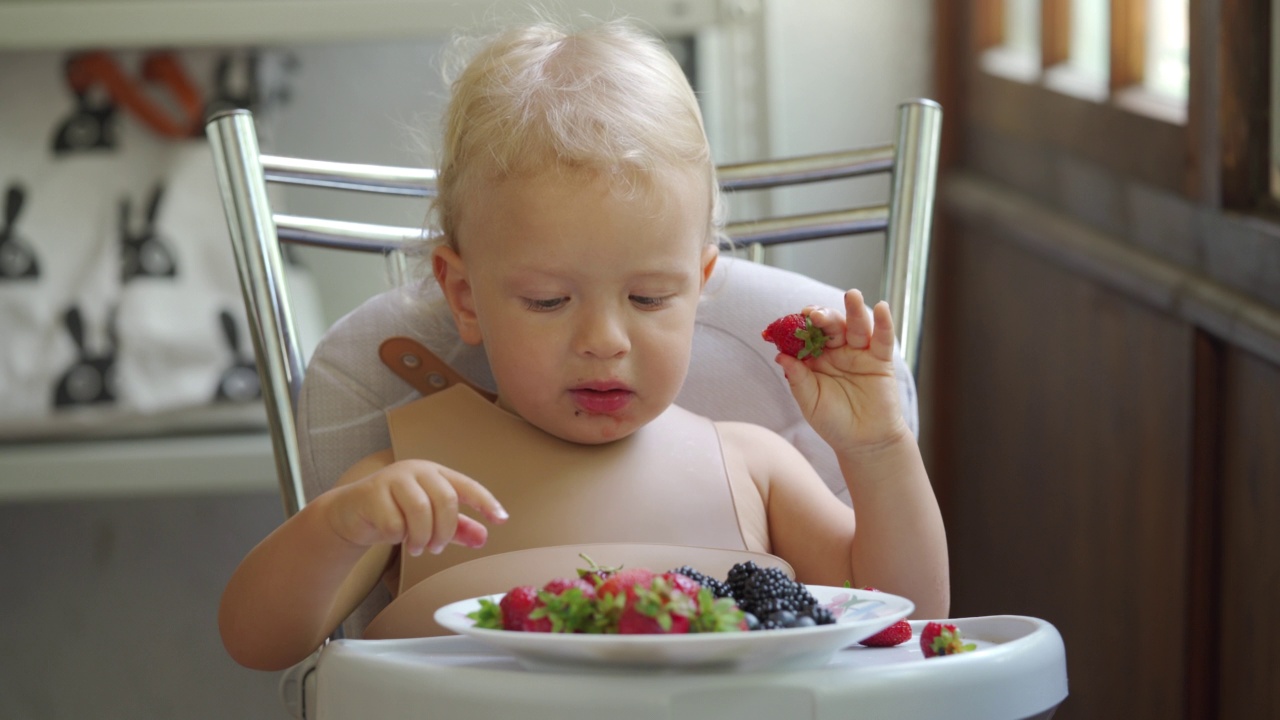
pixel 98 67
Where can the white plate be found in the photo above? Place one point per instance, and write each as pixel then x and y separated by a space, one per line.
pixel 859 615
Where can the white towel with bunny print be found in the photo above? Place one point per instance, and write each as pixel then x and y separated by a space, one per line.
pixel 119 302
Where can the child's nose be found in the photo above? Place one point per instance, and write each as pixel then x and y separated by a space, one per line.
pixel 602 334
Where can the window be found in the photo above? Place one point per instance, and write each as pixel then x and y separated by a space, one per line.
pixel 1167 44
pixel 1133 53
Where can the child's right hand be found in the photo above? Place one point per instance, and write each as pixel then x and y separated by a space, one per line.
pixel 413 503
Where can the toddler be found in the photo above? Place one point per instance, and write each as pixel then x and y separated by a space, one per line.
pixel 578 208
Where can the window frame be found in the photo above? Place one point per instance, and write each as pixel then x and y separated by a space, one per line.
pixel 1191 158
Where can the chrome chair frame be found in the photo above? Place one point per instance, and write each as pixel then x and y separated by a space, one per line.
pixel 256 234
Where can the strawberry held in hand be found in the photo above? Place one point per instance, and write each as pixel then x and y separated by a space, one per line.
pixel 796 335
pixel 941 639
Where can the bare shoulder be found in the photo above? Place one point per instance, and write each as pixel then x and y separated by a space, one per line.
pixel 773 462
pixel 751 439
pixel 767 456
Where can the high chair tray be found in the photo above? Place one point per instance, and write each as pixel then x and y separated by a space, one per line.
pixel 1017 672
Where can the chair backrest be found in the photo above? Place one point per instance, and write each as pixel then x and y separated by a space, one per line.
pixel 320 427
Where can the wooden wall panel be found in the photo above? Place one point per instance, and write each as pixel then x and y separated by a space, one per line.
pixel 1068 448
pixel 1249 678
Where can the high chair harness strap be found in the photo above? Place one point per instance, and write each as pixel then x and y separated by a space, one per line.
pixel 412 362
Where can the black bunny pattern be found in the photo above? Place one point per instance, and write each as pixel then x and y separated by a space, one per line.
pixel 91 379
pixel 144 253
pixel 17 259
pixel 239 382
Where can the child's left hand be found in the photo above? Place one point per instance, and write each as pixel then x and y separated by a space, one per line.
pixel 849 393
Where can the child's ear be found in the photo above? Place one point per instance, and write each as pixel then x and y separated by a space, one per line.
pixel 710 252
pixel 451 273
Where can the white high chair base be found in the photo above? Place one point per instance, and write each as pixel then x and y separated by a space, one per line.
pixel 1017 673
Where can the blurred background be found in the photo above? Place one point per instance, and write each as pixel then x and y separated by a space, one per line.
pixel 1100 389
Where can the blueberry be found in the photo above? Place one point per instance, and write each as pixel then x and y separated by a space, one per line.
pixel 783 618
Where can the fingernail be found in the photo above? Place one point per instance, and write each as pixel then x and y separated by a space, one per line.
pixel 500 514
pixel 415 552
pixel 436 549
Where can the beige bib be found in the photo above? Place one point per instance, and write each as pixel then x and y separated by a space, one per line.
pixel 658 498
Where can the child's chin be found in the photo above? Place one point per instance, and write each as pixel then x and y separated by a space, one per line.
pixel 588 429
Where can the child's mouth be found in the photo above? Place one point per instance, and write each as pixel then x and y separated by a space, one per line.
pixel 601 402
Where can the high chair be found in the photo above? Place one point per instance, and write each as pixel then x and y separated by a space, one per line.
pixel 328 412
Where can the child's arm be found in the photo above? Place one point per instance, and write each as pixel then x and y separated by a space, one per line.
pixel 303 579
pixel 850 396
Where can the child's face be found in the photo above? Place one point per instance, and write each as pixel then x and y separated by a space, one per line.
pixel 584 299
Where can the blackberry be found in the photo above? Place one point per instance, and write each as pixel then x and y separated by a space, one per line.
pixel 820 614
pixel 777 601
pixel 773 583
pixel 738 576
pixel 766 607
pixel 716 587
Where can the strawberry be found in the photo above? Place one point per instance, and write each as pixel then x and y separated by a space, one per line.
pixel 565 605
pixel 559 585
pixel 596 573
pixel 623 582
pixel 635 622
pixel 895 634
pixel 942 639
pixel 795 335
pixel 658 608
pixel 517 605
pixel 683 583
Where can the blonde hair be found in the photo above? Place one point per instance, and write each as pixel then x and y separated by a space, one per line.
pixel 608 99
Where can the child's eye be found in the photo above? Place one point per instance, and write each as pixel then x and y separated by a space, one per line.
pixel 647 302
pixel 544 305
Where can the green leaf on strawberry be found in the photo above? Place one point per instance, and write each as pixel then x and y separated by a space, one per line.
pixel 570 611
pixel 488 615
pixel 716 614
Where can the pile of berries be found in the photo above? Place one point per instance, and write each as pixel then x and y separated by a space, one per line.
pixel 769 599
pixel 641 601
pixel 627 602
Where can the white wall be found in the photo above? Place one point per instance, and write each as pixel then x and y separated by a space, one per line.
pixel 836 73
pixel 359 102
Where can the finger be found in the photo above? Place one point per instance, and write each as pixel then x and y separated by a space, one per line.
pixel 471 532
pixel 414 506
pixel 830 322
pixel 474 495
pixel 882 337
pixel 799 379
pixel 858 326
pixel 444 511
